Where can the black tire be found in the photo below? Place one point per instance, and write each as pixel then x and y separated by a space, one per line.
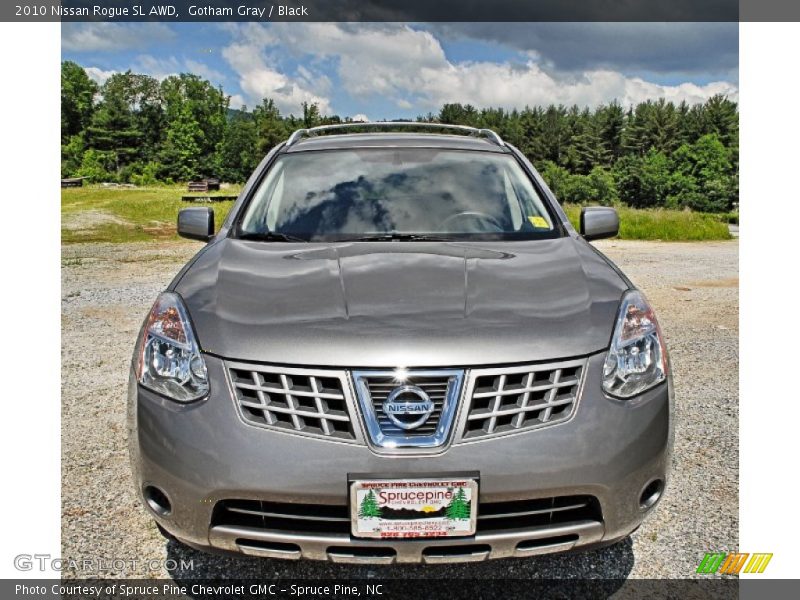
pixel 167 535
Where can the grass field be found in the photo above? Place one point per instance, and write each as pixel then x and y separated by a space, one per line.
pixel 97 214
pixel 666 225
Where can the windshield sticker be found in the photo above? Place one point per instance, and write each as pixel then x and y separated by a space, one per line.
pixel 539 222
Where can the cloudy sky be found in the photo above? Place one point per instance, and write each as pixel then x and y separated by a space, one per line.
pixel 393 70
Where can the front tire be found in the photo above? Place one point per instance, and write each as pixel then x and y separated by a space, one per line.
pixel 167 535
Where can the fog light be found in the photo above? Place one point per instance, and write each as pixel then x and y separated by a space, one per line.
pixel 650 494
pixel 157 500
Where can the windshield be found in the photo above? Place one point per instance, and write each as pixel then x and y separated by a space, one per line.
pixel 409 193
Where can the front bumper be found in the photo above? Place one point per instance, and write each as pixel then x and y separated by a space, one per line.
pixel 202 454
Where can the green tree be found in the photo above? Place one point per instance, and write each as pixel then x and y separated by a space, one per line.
pixel 703 176
pixel 183 147
pixel 590 144
pixel 556 135
pixel 531 144
pixel 97 166
pixel 459 114
pixel 643 181
pixel 719 116
pixel 603 187
pixel 190 98
pixel 113 129
pixel 611 122
pixel 311 115
pixel 653 125
pixel 459 507
pixel 147 174
pixel 237 154
pixel 369 506
pixel 142 95
pixel 654 154
pixel 598 187
pixel 77 99
pixel 72 155
pixel 558 179
pixel 270 127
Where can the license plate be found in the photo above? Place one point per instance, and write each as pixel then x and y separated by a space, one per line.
pixel 413 508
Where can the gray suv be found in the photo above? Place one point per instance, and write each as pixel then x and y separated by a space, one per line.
pixel 397 349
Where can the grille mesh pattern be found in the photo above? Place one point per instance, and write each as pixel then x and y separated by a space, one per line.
pixel 508 400
pixel 306 402
pixel 319 402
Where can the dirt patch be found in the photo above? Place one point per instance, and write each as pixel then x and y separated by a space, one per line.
pixel 88 220
pixel 731 282
pixel 160 229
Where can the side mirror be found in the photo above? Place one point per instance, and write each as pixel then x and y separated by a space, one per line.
pixel 196 223
pixel 599 222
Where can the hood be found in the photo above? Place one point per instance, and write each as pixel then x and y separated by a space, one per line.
pixel 413 304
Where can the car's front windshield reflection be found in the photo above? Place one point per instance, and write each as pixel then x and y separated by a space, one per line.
pixel 409 193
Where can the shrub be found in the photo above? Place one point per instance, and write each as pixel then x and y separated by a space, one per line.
pixel 704 178
pixel 72 155
pixel 96 166
pixel 598 187
pixel 147 175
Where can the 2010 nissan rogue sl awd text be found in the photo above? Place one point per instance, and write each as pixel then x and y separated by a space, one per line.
pixel 398 349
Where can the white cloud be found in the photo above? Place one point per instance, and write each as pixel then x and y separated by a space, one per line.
pixel 237 101
pixel 112 37
pixel 258 80
pixel 515 86
pixel 410 68
pixel 360 117
pixel 203 70
pixel 98 75
pixel 164 67
pixel 160 68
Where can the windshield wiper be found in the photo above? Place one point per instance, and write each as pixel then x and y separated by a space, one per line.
pixel 398 237
pixel 269 236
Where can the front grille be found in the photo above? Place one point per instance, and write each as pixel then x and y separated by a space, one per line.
pixel 297 400
pixel 439 390
pixel 321 403
pixel 283 517
pixel 512 399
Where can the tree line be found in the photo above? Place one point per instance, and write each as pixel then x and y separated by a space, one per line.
pixel 135 128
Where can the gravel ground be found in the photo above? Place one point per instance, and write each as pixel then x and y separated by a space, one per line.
pixel 108 288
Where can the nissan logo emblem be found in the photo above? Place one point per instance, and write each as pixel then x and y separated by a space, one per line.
pixel 408 407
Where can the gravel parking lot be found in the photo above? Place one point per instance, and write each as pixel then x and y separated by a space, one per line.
pixel 108 288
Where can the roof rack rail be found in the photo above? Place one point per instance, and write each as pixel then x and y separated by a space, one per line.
pixel 473 131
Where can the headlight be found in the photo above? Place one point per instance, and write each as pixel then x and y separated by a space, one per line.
pixel 170 362
pixel 637 358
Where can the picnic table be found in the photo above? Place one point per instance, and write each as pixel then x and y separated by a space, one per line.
pixel 209 184
pixel 72 182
